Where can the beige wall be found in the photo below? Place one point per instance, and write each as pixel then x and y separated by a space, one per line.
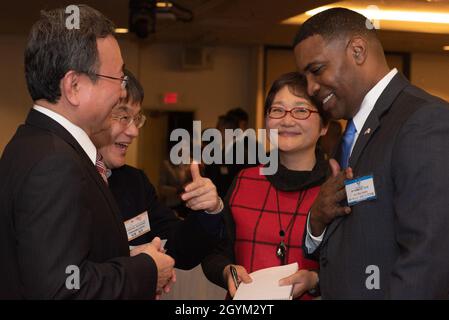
pixel 230 82
pixel 279 61
pixel 14 99
pixel 428 70
pixel 209 93
pixel 431 72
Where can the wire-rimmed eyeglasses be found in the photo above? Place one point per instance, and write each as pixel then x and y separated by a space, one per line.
pixel 124 79
pixel 126 120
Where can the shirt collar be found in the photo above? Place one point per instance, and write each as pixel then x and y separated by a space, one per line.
pixel 79 134
pixel 370 100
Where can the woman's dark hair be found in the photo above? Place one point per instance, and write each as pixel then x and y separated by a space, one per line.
pixel 297 85
pixel 53 49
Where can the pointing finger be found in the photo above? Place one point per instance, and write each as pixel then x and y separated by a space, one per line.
pixel 195 171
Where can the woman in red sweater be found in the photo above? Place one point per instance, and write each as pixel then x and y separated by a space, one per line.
pixel 265 215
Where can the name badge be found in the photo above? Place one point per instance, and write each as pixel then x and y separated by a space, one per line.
pixel 360 189
pixel 137 226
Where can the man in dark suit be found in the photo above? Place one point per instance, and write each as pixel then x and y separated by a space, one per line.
pixel 145 217
pixel 393 246
pixel 60 231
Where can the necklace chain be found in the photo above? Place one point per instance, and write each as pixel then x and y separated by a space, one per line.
pixel 281 250
pixel 298 204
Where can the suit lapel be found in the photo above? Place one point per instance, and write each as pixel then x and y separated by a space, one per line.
pixel 372 124
pixel 38 119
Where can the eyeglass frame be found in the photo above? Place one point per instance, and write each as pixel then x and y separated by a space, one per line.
pixel 130 122
pixel 123 79
pixel 291 112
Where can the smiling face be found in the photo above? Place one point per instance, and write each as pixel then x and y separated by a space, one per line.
pixel 332 75
pixel 114 143
pixel 295 135
pixel 98 98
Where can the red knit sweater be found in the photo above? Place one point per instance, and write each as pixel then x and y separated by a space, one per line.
pixel 254 209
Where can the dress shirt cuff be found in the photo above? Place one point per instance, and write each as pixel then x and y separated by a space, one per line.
pixel 219 209
pixel 312 242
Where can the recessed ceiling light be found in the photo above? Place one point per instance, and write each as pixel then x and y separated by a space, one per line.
pixel 424 18
pixel 164 4
pixel 395 15
pixel 121 30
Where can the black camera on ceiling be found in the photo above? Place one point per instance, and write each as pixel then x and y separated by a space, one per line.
pixel 144 13
pixel 142 17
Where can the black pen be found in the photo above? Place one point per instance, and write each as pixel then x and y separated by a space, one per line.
pixel 234 276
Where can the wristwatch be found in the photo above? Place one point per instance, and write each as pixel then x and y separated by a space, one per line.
pixel 315 291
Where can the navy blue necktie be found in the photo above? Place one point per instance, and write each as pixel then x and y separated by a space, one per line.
pixel 348 140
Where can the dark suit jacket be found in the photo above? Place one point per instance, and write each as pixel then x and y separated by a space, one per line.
pixel 55 211
pixel 405 232
pixel 188 241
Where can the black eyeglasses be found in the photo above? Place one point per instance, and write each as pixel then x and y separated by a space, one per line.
pixel 124 79
pixel 299 113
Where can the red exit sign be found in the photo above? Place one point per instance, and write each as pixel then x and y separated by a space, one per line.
pixel 170 98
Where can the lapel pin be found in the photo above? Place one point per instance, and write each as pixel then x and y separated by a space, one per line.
pixel 368 131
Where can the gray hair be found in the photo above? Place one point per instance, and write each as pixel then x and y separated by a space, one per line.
pixel 53 50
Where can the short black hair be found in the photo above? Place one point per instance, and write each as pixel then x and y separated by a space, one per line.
pixel 134 90
pixel 334 23
pixel 297 85
pixel 227 122
pixel 238 113
pixel 53 49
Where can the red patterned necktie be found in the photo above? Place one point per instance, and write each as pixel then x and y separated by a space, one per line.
pixel 101 167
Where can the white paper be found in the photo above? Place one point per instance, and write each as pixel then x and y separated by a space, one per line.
pixel 163 242
pixel 265 284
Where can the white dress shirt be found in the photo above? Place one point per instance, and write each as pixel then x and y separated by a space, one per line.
pixel 359 120
pixel 79 134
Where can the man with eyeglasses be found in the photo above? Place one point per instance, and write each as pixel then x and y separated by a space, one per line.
pixel 144 216
pixel 60 232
